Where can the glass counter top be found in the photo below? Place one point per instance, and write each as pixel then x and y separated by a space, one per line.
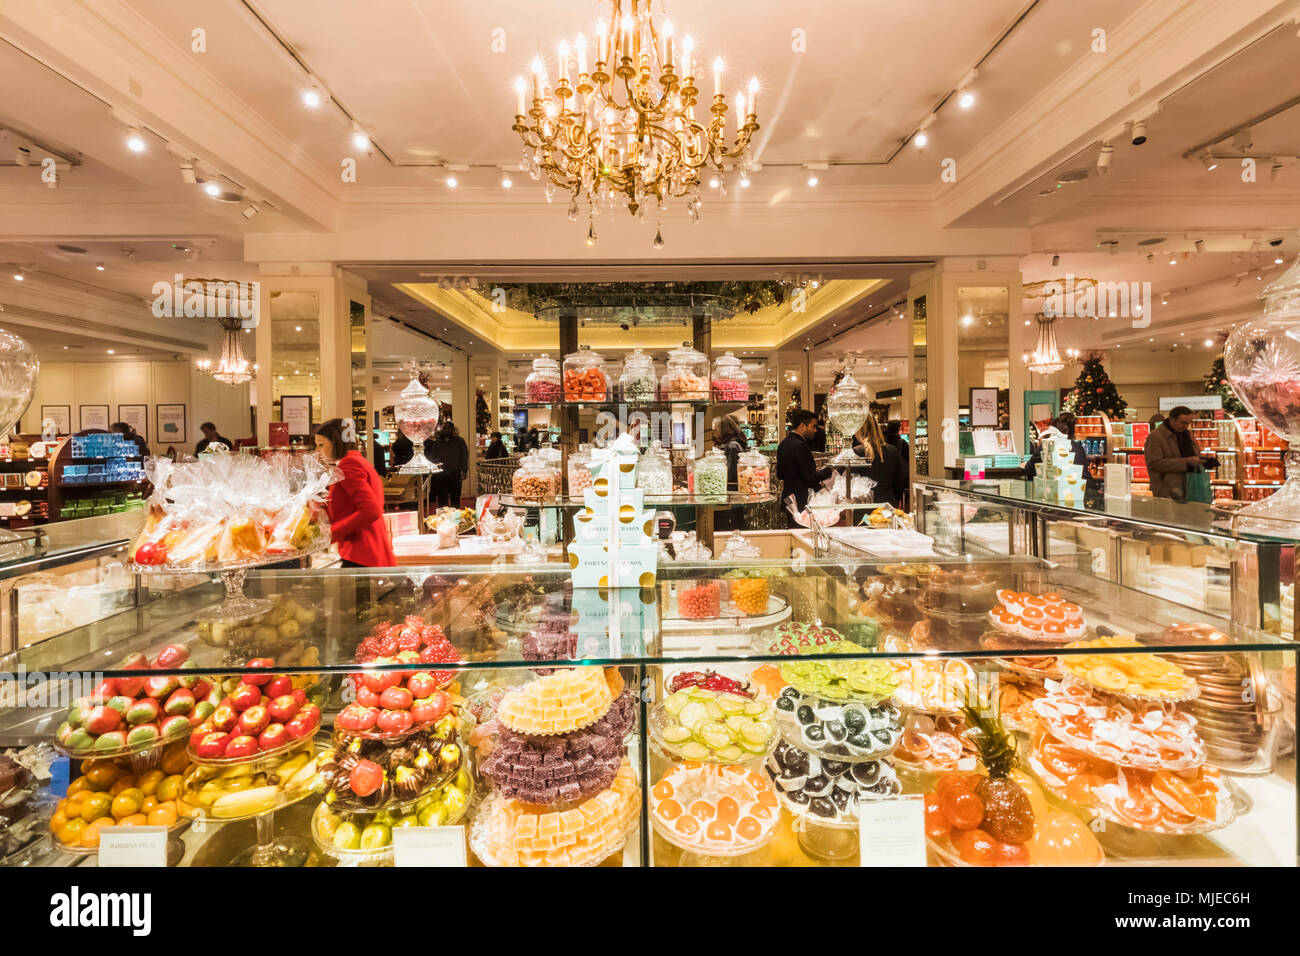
pixel 64 540
pixel 516 617
pixel 1161 513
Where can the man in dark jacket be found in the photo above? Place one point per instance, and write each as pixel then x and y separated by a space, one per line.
pixel 794 462
pixel 1171 453
pixel 496 448
pixel 451 452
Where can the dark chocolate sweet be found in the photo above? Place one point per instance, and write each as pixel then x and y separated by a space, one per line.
pixel 805 714
pixel 814 734
pixel 818 786
pixel 836 731
pixel 798 797
pixel 835 767
pixel 822 807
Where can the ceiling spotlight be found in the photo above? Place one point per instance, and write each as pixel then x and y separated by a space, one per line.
pixel 1103 157
pixel 99 267
pixel 713 182
pixel 812 179
pixel 359 138
pixel 1151 257
pixel 1200 245
pixel 187 173
pixel 212 187
pixel 1209 162
pixel 920 139
pixel 111 352
pixel 18 277
pixel 506 181
pixel 1056 260
pixel 1277 261
pixel 968 319
pixel 1275 172
pixel 744 180
pixel 313 96
pixel 251 210
pixel 1209 342
pixel 451 182
pixel 1139 133
pixel 965 99
pixel 134 141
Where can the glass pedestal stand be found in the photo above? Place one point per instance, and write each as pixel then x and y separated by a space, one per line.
pixel 269 850
pixel 1278 515
pixel 236 607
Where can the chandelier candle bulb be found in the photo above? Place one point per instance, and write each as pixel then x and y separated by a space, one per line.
pixel 753 96
pixel 668 45
pixel 519 96
pixel 717 76
pixel 582 55
pixel 562 62
pixel 688 47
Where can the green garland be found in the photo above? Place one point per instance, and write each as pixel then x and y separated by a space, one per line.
pixel 535 297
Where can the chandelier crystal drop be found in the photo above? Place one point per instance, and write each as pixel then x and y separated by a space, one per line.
pixel 232 368
pixel 1046 357
pixel 632 127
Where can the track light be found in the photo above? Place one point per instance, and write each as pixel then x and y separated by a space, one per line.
pixel 713 182
pixel 812 179
pixel 18 277
pixel 744 180
pixel 212 188
pixel 920 139
pixel 1277 261
pixel 99 267
pixel 359 138
pixel 1275 172
pixel 1056 260
pixel 965 99
pixel 134 141
pixel 314 96
pixel 506 181
pixel 1200 245
pixel 1151 257
pixel 451 182
pixel 1139 133
pixel 188 175
pixel 1103 157
pixel 1209 162
pixel 251 210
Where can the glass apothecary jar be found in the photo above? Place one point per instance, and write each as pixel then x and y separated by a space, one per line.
pixel 698 596
pixel 638 381
pixel 730 380
pixel 532 480
pixel 686 377
pixel 553 460
pixel 745 589
pixel 655 473
pixel 753 473
pixel 542 386
pixel 585 377
pixel 847 406
pixel 579 471
pixel 711 476
pixel 416 415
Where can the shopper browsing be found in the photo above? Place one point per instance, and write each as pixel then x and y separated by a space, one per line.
pixel 451 452
pixel 356 501
pixel 794 462
pixel 210 436
pixel 885 466
pixel 1172 454
pixel 496 448
pixel 1062 427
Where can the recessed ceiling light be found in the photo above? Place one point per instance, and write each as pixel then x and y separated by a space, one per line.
pixel 506 181
pixel 110 352
pixel 212 188
pixel 99 267
pixel 359 138
pixel 313 96
pixel 451 182
pixel 18 277
pixel 920 139
pixel 1277 261
pixel 1173 261
pixel 134 141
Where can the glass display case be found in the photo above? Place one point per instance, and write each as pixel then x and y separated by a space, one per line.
pixel 1023 713
pixel 1191 554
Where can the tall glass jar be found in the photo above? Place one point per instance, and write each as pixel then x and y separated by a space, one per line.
pixel 579 471
pixel 637 382
pixel 699 594
pixel 552 459
pixel 585 378
pixel 542 386
pixel 532 479
pixel 655 473
pixel 416 415
pixel 686 377
pixel 711 476
pixel 753 473
pixel 730 380
pixel 847 406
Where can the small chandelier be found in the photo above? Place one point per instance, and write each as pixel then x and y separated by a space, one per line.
pixel 232 368
pixel 1046 357
pixel 627 132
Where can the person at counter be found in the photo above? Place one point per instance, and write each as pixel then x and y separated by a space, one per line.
pixel 886 468
pixel 794 462
pixel 1062 426
pixel 729 438
pixel 894 437
pixel 1172 454
pixel 496 448
pixel 451 452
pixel 356 501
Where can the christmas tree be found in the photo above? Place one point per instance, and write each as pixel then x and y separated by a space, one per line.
pixel 482 416
pixel 1216 383
pixel 1094 392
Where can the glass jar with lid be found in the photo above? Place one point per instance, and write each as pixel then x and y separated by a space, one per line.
pixel 553 459
pixel 655 473
pixel 745 587
pixel 416 415
pixel 542 386
pixel 579 471
pixel 753 473
pixel 711 476
pixel 847 407
pixel 637 381
pixel 699 594
pixel 585 378
pixel 532 479
pixel 730 380
pixel 686 377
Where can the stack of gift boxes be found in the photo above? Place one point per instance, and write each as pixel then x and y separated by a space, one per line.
pixel 1060 479
pixel 613 535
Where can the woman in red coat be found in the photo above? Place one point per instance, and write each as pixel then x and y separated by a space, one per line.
pixel 356 501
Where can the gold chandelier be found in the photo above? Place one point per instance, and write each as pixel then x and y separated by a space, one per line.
pixel 232 368
pixel 1046 357
pixel 627 132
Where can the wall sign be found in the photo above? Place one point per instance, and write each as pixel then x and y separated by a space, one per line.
pixel 983 407
pixel 94 416
pixel 171 424
pixel 137 416
pixel 61 415
pixel 1194 402
pixel 295 411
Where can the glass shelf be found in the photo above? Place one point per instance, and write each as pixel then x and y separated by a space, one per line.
pixel 636 404
pixel 658 501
